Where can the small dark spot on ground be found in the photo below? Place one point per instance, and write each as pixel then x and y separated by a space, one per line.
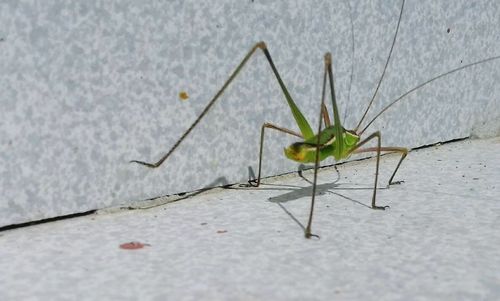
pixel 448 30
pixel 133 245
pixel 204 224
pixel 475 178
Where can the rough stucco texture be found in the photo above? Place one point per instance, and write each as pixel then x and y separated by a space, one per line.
pixel 87 86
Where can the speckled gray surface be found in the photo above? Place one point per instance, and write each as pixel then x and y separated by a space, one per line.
pixel 438 241
pixel 86 87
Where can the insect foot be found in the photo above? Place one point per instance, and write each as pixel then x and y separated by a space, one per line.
pixel 252 183
pixel 310 235
pixel 380 207
pixel 395 183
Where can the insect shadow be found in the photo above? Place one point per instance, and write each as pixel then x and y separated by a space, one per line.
pixel 296 192
pixel 218 182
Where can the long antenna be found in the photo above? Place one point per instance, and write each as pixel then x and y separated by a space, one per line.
pixel 352 61
pixel 385 67
pixel 426 83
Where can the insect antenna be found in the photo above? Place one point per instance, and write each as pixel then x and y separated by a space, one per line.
pixel 424 84
pixel 385 67
pixel 352 62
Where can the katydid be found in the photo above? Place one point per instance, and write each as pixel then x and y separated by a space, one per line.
pixel 332 140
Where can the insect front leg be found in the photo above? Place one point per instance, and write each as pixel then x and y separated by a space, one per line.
pixel 377 149
pixel 402 150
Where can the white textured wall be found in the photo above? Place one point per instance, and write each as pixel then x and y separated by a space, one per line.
pixel 87 86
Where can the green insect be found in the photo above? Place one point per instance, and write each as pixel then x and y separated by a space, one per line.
pixel 332 140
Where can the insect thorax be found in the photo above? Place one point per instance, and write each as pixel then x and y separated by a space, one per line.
pixel 305 151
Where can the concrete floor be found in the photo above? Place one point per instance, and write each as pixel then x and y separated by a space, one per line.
pixel 439 240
